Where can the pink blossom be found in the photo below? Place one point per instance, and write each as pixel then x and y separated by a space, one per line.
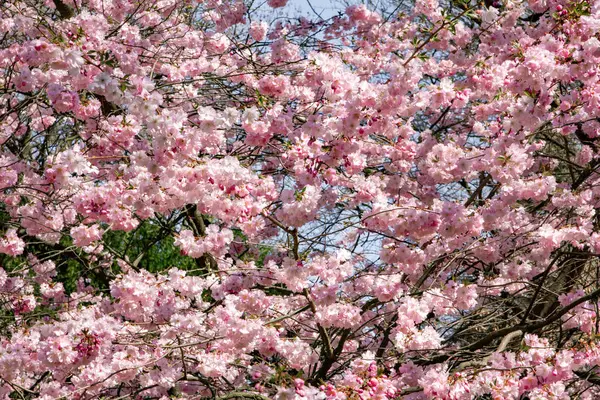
pixel 11 244
pixel 258 30
pixel 277 3
pixel 85 235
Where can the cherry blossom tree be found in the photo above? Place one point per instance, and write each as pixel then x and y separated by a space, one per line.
pixel 202 199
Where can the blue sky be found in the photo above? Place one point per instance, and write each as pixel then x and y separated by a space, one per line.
pixel 297 8
pixel 325 8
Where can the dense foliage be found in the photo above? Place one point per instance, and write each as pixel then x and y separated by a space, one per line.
pixel 203 199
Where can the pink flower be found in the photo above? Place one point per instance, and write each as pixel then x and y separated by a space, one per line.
pixel 62 99
pixel 435 383
pixel 276 86
pixel 258 30
pixel 338 315
pixel 25 81
pixel 284 51
pixel 85 235
pixel 11 244
pixel 276 3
